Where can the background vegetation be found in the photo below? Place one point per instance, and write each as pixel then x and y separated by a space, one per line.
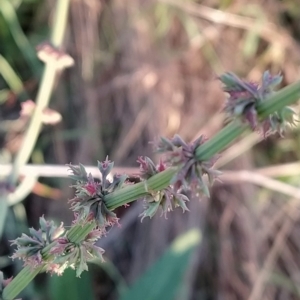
pixel 146 69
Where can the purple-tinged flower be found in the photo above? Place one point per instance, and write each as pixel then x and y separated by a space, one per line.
pixel 244 98
pixel 89 201
pixel 29 248
pixel 166 198
pixel 76 256
pixel 105 167
pixel 190 169
pixel 91 186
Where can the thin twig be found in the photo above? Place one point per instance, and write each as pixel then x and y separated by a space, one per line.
pixel 258 176
pixel 261 180
pixel 61 171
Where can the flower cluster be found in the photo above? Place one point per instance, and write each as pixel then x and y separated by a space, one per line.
pixel 49 248
pixel 166 198
pixel 75 255
pixel 89 201
pixel 29 248
pixel 244 98
pixel 191 170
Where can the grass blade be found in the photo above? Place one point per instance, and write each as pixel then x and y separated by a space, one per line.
pixel 164 279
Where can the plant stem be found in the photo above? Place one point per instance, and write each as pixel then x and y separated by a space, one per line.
pixel 162 180
pixel 42 100
pixel 227 135
pixel 133 192
pixel 286 96
pixel 76 234
pixel 219 142
pixel 44 94
pixel 26 275
pixel 60 22
pixel 19 283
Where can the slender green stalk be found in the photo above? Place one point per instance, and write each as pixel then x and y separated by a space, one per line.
pixel 35 125
pixel 44 94
pixel 133 192
pixel 43 97
pixel 9 75
pixel 42 100
pixel 76 234
pixel 19 283
pixel 219 142
pixel 284 97
pixel 128 194
pixel 60 22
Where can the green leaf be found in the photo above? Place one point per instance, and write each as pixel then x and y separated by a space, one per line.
pixel 164 279
pixel 10 76
pixel 4 94
pixel 9 15
pixel 77 288
pixel 110 269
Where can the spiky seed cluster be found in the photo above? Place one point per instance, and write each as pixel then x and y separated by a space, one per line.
pixel 166 198
pixel 61 252
pixel 89 201
pixel 76 256
pixel 244 98
pixel 29 248
pixel 191 170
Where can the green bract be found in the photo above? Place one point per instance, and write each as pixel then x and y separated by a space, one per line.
pixel 245 97
pixel 166 198
pixel 89 201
